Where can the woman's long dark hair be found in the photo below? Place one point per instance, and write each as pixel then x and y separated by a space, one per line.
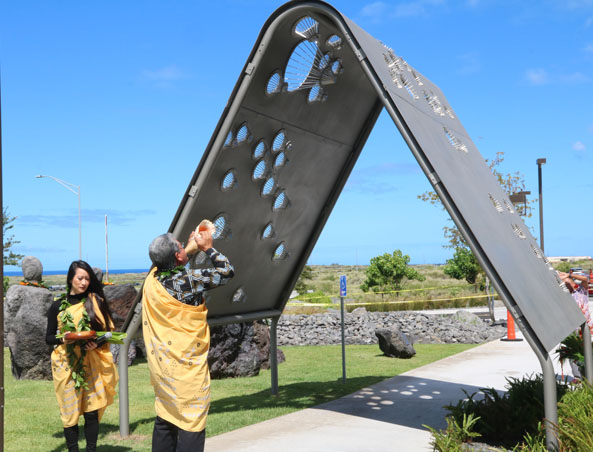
pixel 95 287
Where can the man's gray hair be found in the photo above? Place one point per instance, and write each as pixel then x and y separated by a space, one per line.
pixel 162 251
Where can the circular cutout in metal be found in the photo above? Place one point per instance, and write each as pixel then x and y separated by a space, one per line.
pixel 279 141
pixel 315 94
pixel 259 149
pixel 260 170
pixel 334 41
pixel 336 67
pixel 281 201
pixel 274 84
pixel 280 160
pixel 243 133
pixel 496 203
pixel 301 71
pixel 536 251
pixel 518 231
pixel 268 232
pixel 268 187
pixel 306 27
pixel 454 141
pixel 280 252
pixel 239 296
pixel 229 140
pixel 221 227
pixel 229 181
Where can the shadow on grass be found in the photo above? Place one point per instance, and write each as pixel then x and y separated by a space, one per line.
pixel 107 432
pixel 294 395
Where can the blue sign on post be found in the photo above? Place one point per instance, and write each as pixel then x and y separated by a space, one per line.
pixel 342 285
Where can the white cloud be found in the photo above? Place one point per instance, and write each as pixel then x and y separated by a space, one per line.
pixel 588 21
pixel 576 78
pixel 410 9
pixel 537 76
pixel 374 11
pixel 576 4
pixel 378 11
pixel 165 74
pixel 579 146
pixel 589 48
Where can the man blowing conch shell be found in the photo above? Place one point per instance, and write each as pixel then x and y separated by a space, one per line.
pixel 177 339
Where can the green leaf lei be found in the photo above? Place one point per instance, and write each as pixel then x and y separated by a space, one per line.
pixel 84 324
pixel 166 273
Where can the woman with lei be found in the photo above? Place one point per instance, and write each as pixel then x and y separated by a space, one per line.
pixel 84 374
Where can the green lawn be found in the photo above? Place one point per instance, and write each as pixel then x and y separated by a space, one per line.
pixel 310 376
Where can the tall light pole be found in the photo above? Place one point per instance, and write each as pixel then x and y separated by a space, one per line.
pixel 540 162
pixel 69 186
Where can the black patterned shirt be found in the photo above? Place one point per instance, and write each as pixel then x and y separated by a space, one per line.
pixel 188 285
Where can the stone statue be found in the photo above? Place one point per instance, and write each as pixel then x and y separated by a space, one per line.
pixel 98 273
pixel 32 269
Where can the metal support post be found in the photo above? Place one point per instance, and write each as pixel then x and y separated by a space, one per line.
pixel 274 354
pixel 124 401
pixel 587 351
pixel 540 162
pixel 343 342
pixel 550 401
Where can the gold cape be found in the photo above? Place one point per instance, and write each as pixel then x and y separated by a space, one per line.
pixel 177 339
pixel 101 376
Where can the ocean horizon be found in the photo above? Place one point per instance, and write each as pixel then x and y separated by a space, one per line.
pixel 63 272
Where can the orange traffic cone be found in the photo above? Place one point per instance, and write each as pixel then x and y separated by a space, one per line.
pixel 510 329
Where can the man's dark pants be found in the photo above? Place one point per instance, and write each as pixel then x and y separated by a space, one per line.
pixel 167 437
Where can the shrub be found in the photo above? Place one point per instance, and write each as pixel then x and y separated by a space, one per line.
pixel 575 414
pixel 452 438
pixel 505 419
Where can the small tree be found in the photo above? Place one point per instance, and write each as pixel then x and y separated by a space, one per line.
pixel 9 257
pixel 301 285
pixel 389 272
pixel 463 265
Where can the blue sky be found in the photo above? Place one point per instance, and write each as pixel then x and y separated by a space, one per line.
pixel 121 98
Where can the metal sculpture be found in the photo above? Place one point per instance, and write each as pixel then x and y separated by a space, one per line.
pixel 295 124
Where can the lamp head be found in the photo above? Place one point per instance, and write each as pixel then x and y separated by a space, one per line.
pixel 540 161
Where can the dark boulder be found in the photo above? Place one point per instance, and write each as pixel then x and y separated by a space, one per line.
pixel 120 299
pixel 394 343
pixel 240 350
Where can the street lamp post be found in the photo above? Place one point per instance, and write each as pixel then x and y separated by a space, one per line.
pixel 540 162
pixel 69 186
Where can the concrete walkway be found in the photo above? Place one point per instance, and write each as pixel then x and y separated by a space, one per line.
pixel 388 416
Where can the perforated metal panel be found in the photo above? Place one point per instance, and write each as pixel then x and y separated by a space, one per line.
pixel 301 111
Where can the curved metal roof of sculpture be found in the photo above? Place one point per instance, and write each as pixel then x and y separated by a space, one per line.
pixel 294 126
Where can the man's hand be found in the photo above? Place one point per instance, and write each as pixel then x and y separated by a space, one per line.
pixel 204 240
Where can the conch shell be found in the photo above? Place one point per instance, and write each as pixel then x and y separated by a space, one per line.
pixel 205 225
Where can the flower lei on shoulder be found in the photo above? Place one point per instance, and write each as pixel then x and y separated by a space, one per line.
pixel 75 361
pixel 166 273
pixel 33 283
